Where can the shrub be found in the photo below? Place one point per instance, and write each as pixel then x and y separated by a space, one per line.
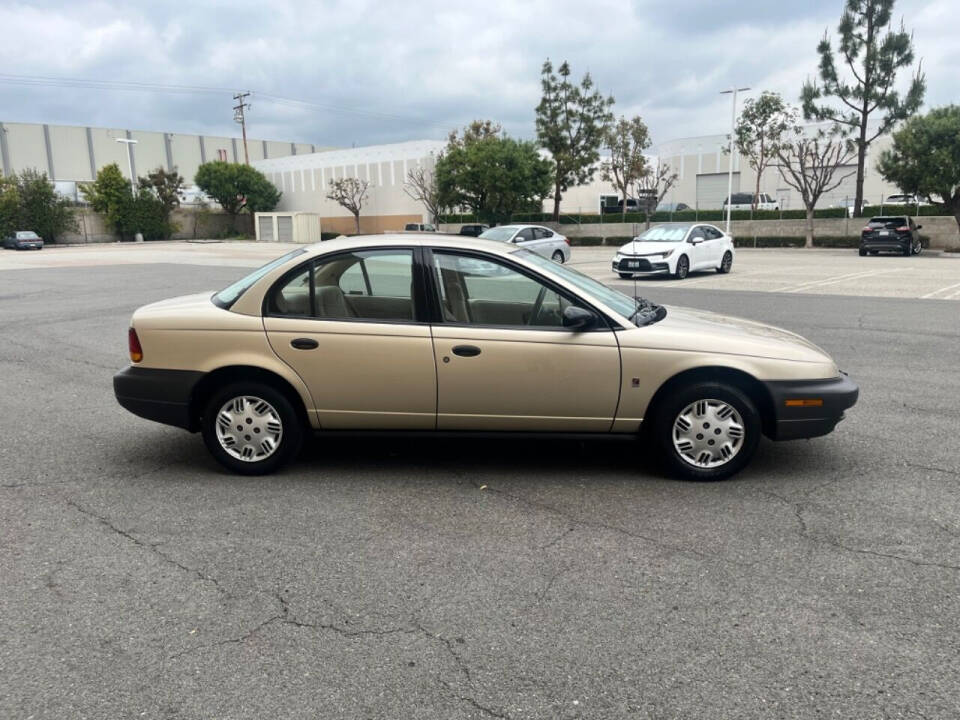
pixel 40 208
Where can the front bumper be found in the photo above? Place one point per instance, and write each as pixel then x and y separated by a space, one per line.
pixel 793 419
pixel 159 395
pixel 640 266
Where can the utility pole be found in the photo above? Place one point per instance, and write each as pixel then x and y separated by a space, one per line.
pixel 733 124
pixel 238 116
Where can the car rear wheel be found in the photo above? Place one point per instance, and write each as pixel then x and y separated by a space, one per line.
pixel 917 247
pixel 707 431
pixel 683 268
pixel 726 263
pixel 558 257
pixel 251 428
pixel 863 252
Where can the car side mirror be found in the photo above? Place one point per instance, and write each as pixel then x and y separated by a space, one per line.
pixel 919 227
pixel 577 319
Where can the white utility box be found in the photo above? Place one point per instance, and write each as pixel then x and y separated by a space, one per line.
pixel 291 227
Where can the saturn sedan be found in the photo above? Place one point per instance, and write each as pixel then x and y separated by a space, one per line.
pixel 676 249
pixel 420 333
pixel 542 240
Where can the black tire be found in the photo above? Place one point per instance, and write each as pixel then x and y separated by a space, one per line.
pixel 667 412
pixel 726 263
pixel 625 276
pixel 863 252
pixel 557 257
pixel 291 436
pixel 683 268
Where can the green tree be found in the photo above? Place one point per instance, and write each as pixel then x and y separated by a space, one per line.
pixel 9 206
pixel 167 186
pixel 925 157
pixel 873 54
pixel 237 187
pixel 41 209
pixel 109 194
pixel 626 140
pixel 758 133
pixel 495 176
pixel 571 122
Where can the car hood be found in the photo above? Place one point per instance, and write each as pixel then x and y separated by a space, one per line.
pixel 648 248
pixel 692 330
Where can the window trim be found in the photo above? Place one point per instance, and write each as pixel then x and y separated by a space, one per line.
pixel 419 314
pixel 606 324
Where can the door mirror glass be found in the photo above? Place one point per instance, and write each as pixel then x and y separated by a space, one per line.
pixel 577 319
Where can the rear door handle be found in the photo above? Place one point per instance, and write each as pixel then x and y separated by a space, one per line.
pixel 304 344
pixel 466 350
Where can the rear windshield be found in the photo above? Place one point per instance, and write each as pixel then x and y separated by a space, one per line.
pixel 230 294
pixel 29 235
pixel 883 221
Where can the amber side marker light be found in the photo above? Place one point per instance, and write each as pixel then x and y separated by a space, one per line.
pixel 804 402
pixel 136 352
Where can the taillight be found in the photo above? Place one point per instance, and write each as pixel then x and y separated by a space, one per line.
pixel 867 229
pixel 136 352
pixel 566 240
pixel 903 229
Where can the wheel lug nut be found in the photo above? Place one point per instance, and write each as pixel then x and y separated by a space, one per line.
pixel 699 436
pixel 717 431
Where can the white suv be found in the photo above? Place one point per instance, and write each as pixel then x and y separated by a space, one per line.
pixel 744 201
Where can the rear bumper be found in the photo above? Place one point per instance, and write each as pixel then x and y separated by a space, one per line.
pixel 159 395
pixel 794 420
pixel 898 242
pixel 31 245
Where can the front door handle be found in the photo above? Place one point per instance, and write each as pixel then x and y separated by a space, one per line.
pixel 466 350
pixel 304 344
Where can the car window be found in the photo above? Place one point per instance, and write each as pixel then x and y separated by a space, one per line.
pixel 696 234
pixel 230 294
pixel 371 285
pixel 525 234
pixel 503 233
pixel 480 291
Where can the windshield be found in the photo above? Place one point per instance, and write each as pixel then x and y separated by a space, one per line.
pixel 230 294
pixel 623 304
pixel 664 233
pixel 502 234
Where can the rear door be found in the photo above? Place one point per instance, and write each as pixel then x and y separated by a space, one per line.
pixel 505 361
pixel 350 325
pixel 712 246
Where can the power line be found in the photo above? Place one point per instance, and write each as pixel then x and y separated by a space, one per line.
pixel 41 81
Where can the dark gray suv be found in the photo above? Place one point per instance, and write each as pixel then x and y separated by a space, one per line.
pixel 896 233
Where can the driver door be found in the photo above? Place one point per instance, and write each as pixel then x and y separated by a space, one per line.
pixel 504 360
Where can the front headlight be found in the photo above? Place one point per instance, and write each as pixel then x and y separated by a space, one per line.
pixel 667 254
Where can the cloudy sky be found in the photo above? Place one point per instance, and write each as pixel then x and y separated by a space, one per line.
pixel 371 72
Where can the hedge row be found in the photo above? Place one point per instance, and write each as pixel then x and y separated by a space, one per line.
pixel 913 210
pixel 636 217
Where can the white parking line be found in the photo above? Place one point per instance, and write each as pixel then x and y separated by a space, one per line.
pixel 832 280
pixel 943 289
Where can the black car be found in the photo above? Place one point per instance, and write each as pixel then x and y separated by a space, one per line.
pixel 896 233
pixel 473 230
pixel 23 240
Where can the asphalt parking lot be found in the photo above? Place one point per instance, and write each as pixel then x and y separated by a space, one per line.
pixel 410 578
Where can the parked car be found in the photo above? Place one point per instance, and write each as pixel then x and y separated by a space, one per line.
pixel 419 227
pixel 744 201
pixel 896 233
pixel 903 199
pixel 675 249
pixel 540 239
pixel 473 230
pixel 23 240
pixel 480 336
pixel 633 206
pixel 672 207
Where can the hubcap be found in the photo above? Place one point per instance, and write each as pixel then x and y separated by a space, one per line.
pixel 727 262
pixel 249 428
pixel 708 433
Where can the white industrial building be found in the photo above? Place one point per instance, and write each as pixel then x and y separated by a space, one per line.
pixel 70 154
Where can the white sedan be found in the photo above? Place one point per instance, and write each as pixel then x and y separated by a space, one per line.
pixel 539 239
pixel 676 249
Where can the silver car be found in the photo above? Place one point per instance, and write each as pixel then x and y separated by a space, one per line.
pixel 539 239
pixel 23 240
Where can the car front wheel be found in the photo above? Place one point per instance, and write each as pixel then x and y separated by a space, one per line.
pixel 683 268
pixel 251 428
pixel 707 431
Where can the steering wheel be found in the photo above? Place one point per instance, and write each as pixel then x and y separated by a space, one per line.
pixel 537 305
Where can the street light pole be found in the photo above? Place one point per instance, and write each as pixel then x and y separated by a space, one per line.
pixel 133 181
pixel 733 124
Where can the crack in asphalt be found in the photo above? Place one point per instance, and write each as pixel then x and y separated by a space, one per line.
pixel 934 468
pixel 152 547
pixel 799 508
pixel 606 526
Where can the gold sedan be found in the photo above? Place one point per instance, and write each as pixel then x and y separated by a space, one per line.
pixel 416 333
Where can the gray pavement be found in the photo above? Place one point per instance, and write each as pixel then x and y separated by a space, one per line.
pixel 399 578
